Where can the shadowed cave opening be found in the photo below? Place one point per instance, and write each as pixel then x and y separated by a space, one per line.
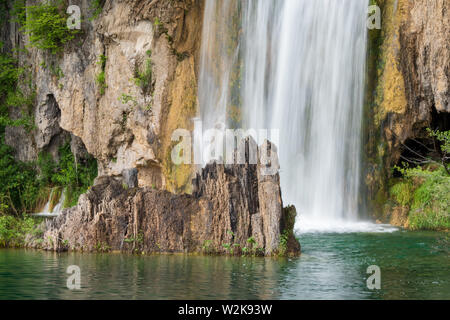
pixel 417 151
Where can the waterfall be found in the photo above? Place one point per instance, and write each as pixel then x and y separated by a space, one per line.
pixel 50 212
pixel 297 66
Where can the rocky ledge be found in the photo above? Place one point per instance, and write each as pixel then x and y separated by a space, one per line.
pixel 234 209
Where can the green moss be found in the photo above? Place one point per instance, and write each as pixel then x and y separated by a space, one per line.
pixel 144 78
pixel 19 189
pixel 96 8
pixel 11 96
pixel 402 192
pixel 287 237
pixel 74 177
pixel 101 77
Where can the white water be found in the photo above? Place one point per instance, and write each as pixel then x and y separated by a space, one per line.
pixel 301 67
pixel 57 210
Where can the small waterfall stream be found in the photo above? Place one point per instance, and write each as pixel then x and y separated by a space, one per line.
pixel 58 207
pixel 297 66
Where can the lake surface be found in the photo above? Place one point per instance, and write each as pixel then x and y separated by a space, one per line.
pixel 414 265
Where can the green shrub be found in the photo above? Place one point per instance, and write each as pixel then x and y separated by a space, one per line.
pixel 19 184
pixel 96 7
pixel 12 96
pixel 22 188
pixel 45 23
pixel 76 178
pixel 101 77
pixel 101 82
pixel 9 74
pixel 144 78
pixel 427 193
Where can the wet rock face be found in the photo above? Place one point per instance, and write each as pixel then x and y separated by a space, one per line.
pixel 131 35
pixel 233 207
pixel 413 88
pixel 426 54
pixel 423 59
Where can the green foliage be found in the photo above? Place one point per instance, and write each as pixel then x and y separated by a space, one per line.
pixel 75 177
pixel 9 74
pixel 228 248
pixel 101 77
pixel 102 247
pixel 443 137
pixel 18 179
pixel 19 187
pixel 157 22
pixel 207 247
pixel 13 230
pixel 101 82
pixel 12 96
pixel 96 7
pixel 23 188
pixel 251 241
pixel 427 193
pixel 56 71
pixel 402 192
pixel 143 78
pixel 284 238
pixel 45 23
pixel 127 99
pixel 289 215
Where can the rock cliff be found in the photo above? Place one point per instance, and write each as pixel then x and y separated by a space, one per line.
pixel 121 123
pixel 234 209
pixel 408 90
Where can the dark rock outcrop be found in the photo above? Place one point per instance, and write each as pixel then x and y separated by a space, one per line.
pixel 234 209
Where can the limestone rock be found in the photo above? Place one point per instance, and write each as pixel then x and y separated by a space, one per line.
pixel 232 207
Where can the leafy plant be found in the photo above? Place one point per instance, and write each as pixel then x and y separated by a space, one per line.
pixel 402 192
pixel 45 23
pixel 13 230
pixel 283 243
pixel 127 99
pixel 144 78
pixel 251 241
pixel 427 193
pixel 444 139
pixel 96 7
pixel 101 77
pixel 12 96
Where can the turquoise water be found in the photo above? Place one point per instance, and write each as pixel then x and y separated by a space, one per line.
pixel 414 265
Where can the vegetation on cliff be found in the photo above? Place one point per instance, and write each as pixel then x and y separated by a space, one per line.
pixel 424 191
pixel 45 24
pixel 26 185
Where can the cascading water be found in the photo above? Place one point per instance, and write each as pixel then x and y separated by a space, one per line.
pixel 297 66
pixel 49 212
